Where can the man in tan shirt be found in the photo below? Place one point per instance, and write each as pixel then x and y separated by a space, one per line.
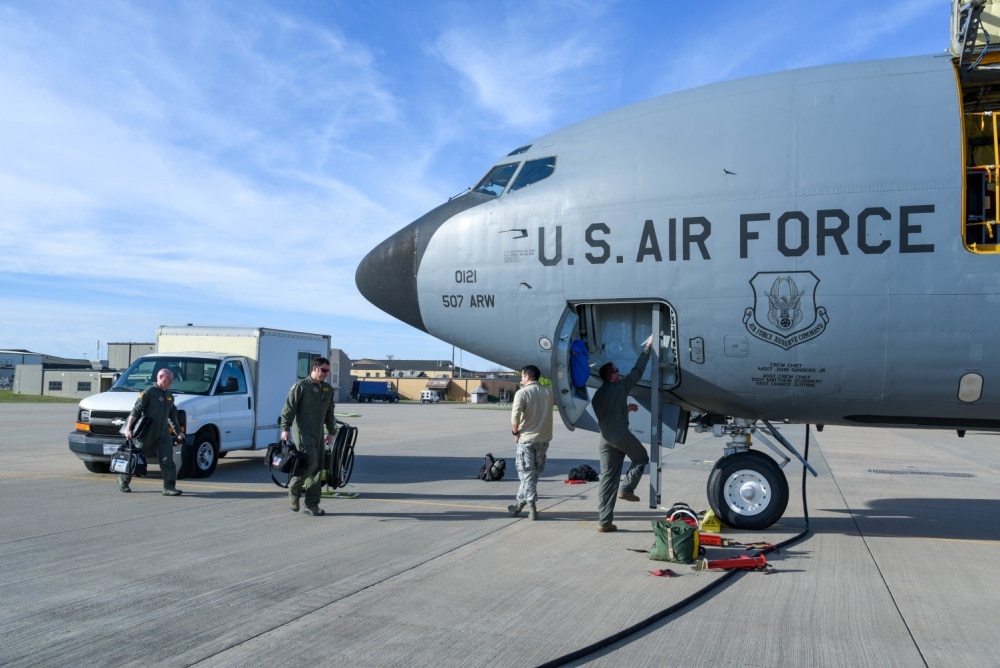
pixel 531 424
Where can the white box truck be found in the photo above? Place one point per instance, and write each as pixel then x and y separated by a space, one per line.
pixel 230 384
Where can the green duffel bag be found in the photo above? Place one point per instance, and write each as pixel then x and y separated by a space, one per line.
pixel 674 541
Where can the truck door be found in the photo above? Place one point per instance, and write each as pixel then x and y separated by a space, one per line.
pixel 236 413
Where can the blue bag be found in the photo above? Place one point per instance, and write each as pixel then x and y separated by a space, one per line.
pixel 579 363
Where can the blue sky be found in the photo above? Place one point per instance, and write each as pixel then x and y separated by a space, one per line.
pixel 231 162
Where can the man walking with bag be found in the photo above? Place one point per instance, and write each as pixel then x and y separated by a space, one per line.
pixel 157 405
pixel 309 407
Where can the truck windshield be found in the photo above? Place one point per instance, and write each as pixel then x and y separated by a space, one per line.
pixel 191 376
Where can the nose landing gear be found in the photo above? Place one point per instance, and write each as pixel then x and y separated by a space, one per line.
pixel 747 489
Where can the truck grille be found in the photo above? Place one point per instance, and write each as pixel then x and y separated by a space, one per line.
pixel 107 423
pixel 104 430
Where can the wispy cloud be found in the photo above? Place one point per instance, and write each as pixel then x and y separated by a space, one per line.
pixel 524 65
pixel 748 39
pixel 187 166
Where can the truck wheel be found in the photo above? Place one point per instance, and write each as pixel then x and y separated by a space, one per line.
pixel 200 458
pixel 98 467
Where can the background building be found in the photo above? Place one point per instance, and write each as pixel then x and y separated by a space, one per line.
pixel 36 373
pixel 27 372
pixel 452 383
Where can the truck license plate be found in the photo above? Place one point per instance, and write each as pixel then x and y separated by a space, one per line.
pixel 110 448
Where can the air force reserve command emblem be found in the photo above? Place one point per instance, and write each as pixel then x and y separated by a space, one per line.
pixel 784 309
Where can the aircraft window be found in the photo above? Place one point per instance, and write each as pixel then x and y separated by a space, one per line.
pixel 498 178
pixel 533 171
pixel 519 151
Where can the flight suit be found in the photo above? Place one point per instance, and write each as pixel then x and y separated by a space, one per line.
pixel 610 404
pixel 309 407
pixel 159 407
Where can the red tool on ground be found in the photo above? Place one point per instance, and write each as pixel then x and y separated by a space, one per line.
pixel 742 562
pixel 715 540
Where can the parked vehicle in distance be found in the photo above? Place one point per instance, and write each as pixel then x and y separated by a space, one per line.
pixel 230 386
pixel 429 397
pixel 367 391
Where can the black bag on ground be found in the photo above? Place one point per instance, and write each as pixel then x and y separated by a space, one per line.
pixel 493 469
pixel 583 472
pixel 285 458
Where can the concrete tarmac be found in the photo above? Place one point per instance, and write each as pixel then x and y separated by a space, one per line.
pixel 900 567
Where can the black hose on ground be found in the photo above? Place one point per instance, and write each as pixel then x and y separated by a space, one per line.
pixel 680 605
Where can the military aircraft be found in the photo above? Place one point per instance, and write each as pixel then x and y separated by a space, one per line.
pixel 815 246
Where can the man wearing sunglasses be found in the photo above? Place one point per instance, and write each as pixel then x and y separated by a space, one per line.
pixel 611 406
pixel 309 407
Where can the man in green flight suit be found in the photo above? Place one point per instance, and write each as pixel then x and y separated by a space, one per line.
pixel 611 406
pixel 309 406
pixel 157 405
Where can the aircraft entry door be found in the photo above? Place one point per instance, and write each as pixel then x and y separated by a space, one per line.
pixel 614 332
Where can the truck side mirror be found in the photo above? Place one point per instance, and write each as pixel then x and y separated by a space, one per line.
pixel 229 386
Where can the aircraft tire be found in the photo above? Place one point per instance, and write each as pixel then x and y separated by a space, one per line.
pixel 747 490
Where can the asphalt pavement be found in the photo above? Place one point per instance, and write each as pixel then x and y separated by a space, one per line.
pixel 420 564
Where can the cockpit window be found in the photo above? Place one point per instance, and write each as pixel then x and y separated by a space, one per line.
pixel 519 151
pixel 498 178
pixel 533 171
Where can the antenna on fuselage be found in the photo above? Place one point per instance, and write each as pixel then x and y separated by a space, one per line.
pixel 460 194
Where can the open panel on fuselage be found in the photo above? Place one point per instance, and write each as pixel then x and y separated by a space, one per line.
pixel 975 44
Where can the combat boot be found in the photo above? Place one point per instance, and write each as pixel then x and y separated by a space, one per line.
pixel 532 512
pixel 171 491
pixel 515 510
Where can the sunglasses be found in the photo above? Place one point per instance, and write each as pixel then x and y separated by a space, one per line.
pixel 321 370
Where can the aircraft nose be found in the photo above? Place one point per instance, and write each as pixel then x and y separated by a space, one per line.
pixel 387 276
